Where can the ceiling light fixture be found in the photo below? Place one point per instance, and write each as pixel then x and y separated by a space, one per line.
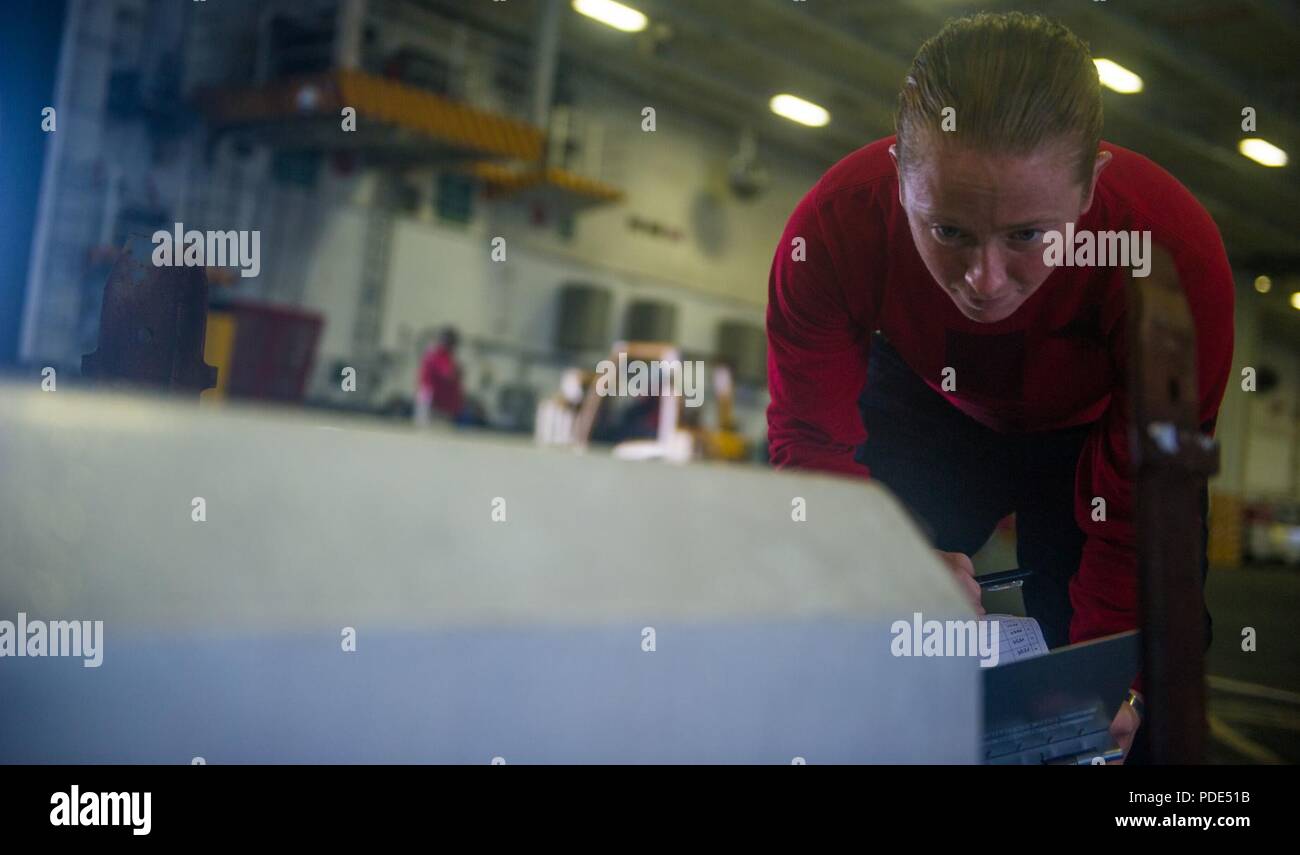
pixel 1117 77
pixel 796 109
pixel 612 14
pixel 1262 152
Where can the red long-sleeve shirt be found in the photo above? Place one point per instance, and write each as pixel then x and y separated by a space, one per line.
pixel 1058 361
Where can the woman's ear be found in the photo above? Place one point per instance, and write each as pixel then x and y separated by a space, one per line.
pixel 893 155
pixel 1102 161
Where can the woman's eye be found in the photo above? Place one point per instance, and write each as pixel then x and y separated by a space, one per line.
pixel 946 232
pixel 1026 235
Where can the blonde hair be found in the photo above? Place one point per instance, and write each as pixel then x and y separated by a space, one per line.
pixel 1016 82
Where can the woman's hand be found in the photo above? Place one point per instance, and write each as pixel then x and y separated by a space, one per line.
pixel 959 563
pixel 1123 728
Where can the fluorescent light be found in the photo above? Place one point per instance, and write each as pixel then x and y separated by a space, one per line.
pixel 798 110
pixel 1262 151
pixel 613 14
pixel 1263 284
pixel 1117 77
pixel 1295 300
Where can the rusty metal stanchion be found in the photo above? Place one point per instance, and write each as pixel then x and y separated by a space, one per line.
pixel 152 326
pixel 1172 460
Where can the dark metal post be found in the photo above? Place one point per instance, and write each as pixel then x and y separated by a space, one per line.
pixel 1172 460
pixel 152 326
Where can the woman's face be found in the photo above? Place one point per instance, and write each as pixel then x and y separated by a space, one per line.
pixel 978 220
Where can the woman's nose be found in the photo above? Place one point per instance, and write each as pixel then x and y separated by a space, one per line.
pixel 986 276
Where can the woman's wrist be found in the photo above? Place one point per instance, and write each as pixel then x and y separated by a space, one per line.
pixel 1137 703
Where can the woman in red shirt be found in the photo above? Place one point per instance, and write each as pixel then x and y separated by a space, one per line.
pixel 439 388
pixel 918 334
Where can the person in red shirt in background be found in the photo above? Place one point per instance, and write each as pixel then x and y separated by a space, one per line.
pixel 439 389
pixel 918 336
